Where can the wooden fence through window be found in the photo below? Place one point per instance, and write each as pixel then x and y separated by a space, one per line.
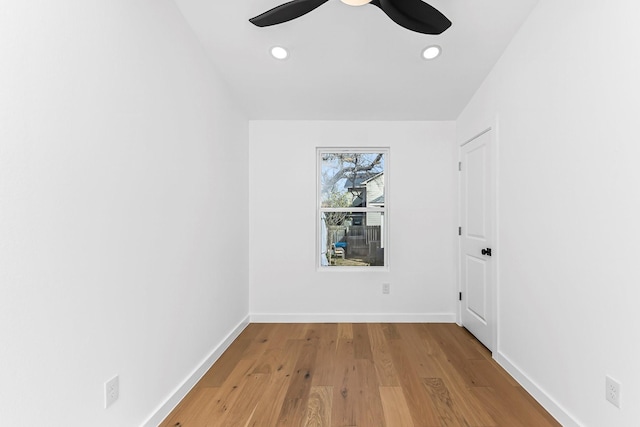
pixel 361 240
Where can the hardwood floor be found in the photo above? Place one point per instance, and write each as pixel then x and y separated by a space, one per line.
pixel 364 375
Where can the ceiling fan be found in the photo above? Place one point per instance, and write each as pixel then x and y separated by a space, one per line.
pixel 414 15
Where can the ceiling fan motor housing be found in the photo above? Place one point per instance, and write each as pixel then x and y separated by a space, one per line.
pixel 356 2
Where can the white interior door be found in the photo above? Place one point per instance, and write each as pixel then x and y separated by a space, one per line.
pixel 477 257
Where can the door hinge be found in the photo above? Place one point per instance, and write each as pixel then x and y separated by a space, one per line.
pixel 460 296
pixel 459 166
pixel 459 231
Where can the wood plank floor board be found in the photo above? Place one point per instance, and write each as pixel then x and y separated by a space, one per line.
pixel 271 336
pixel 357 375
pixel 368 405
pixel 193 411
pixel 270 403
pixel 239 413
pixel 303 371
pixel 320 331
pixel 490 401
pixel 458 386
pixel 318 412
pixel 361 343
pixel 468 342
pixel 295 401
pixel 345 331
pixel 420 405
pixel 394 406
pixel 447 338
pixel 325 336
pixel 419 351
pixel 391 331
pixel 230 391
pixel 447 409
pixel 343 405
pixel 227 362
pixel 253 329
pixel 509 399
pixel 295 331
pixel 543 417
pixel 507 403
pixel 386 373
pixel 325 362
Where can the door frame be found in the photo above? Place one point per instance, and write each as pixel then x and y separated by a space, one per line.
pixel 493 130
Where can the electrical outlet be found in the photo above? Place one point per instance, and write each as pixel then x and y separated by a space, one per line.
pixel 613 391
pixel 386 288
pixel 111 391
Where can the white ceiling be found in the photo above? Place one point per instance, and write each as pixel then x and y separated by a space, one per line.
pixel 354 63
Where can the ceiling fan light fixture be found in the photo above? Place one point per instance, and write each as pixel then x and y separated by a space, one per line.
pixel 431 52
pixel 356 2
pixel 278 52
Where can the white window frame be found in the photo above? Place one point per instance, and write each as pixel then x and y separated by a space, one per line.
pixel 384 210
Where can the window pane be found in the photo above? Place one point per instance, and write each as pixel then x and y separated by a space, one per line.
pixel 352 180
pixel 352 238
pixel 351 196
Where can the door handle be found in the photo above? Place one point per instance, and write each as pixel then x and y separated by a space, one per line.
pixel 486 252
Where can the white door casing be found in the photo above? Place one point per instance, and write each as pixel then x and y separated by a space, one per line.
pixel 477 255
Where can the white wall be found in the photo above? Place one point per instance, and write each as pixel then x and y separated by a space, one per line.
pixel 123 246
pixel 566 92
pixel 285 284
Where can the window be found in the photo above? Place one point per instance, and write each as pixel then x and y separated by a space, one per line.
pixel 352 212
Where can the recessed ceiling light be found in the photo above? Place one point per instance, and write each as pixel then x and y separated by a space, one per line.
pixel 279 52
pixel 356 2
pixel 431 52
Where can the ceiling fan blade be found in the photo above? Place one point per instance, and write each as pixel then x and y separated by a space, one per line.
pixel 414 15
pixel 286 12
pixel 422 12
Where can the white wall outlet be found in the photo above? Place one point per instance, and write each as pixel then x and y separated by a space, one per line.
pixel 386 288
pixel 613 391
pixel 111 391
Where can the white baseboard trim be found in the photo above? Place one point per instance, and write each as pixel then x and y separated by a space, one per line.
pixel 547 402
pixel 353 318
pixel 165 409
